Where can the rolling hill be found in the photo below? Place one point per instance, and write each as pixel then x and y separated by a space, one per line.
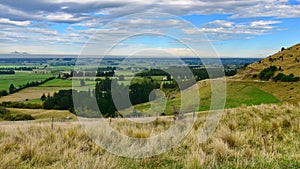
pixel 287 60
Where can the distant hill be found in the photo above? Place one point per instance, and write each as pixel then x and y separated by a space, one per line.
pixel 287 60
pixel 19 53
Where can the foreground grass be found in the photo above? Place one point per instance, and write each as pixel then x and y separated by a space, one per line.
pixel 265 136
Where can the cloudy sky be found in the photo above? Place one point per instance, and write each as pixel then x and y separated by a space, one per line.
pixel 234 28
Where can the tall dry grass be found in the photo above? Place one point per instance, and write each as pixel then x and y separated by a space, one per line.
pixel 265 136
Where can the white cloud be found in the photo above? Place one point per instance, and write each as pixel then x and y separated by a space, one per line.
pixel 221 29
pixel 264 24
pixel 63 17
pixel 222 23
pixel 16 23
pixel 16 17
pixel 72 10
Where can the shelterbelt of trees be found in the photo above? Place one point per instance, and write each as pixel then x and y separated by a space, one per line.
pixel 138 93
pixel 100 72
pixel 198 73
pixel 18 68
pixel 7 72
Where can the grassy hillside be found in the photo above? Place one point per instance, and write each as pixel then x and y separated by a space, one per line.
pixel 283 91
pixel 238 93
pixel 265 136
pixel 288 59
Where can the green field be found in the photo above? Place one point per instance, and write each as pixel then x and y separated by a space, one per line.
pixel 34 101
pixel 66 83
pixel 58 83
pixel 238 94
pixel 20 78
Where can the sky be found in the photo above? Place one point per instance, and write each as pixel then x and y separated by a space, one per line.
pixel 225 28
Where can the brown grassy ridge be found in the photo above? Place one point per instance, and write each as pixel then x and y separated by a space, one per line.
pixel 288 60
pixel 264 136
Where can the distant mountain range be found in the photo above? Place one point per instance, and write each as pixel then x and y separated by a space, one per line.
pixel 19 53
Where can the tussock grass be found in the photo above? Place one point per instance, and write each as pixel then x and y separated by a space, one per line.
pixel 264 136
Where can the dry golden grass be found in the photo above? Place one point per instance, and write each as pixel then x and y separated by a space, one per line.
pixel 46 115
pixel 31 93
pixel 265 136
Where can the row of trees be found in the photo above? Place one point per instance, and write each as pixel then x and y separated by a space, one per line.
pixel 106 97
pixel 21 105
pixel 13 89
pixel 187 73
pixel 109 73
pixel 7 72
pixel 60 101
pixel 19 68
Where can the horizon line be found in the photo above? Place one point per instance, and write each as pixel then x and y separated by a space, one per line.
pixel 41 56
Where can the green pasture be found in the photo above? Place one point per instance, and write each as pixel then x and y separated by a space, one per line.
pixel 238 94
pixel 66 83
pixel 20 78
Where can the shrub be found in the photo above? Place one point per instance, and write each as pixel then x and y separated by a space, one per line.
pixel 8 116
pixel 21 117
pixel 3 111
pixel 17 117
pixel 21 105
pixel 267 73
pixel 3 93
pixel 284 78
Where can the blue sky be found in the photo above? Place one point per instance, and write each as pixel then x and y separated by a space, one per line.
pixel 226 28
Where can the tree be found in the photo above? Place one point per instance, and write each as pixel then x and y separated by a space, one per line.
pixel 43 98
pixel 121 78
pixel 267 73
pixel 3 93
pixel 82 82
pixel 12 88
pixel 169 78
pixel 282 49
